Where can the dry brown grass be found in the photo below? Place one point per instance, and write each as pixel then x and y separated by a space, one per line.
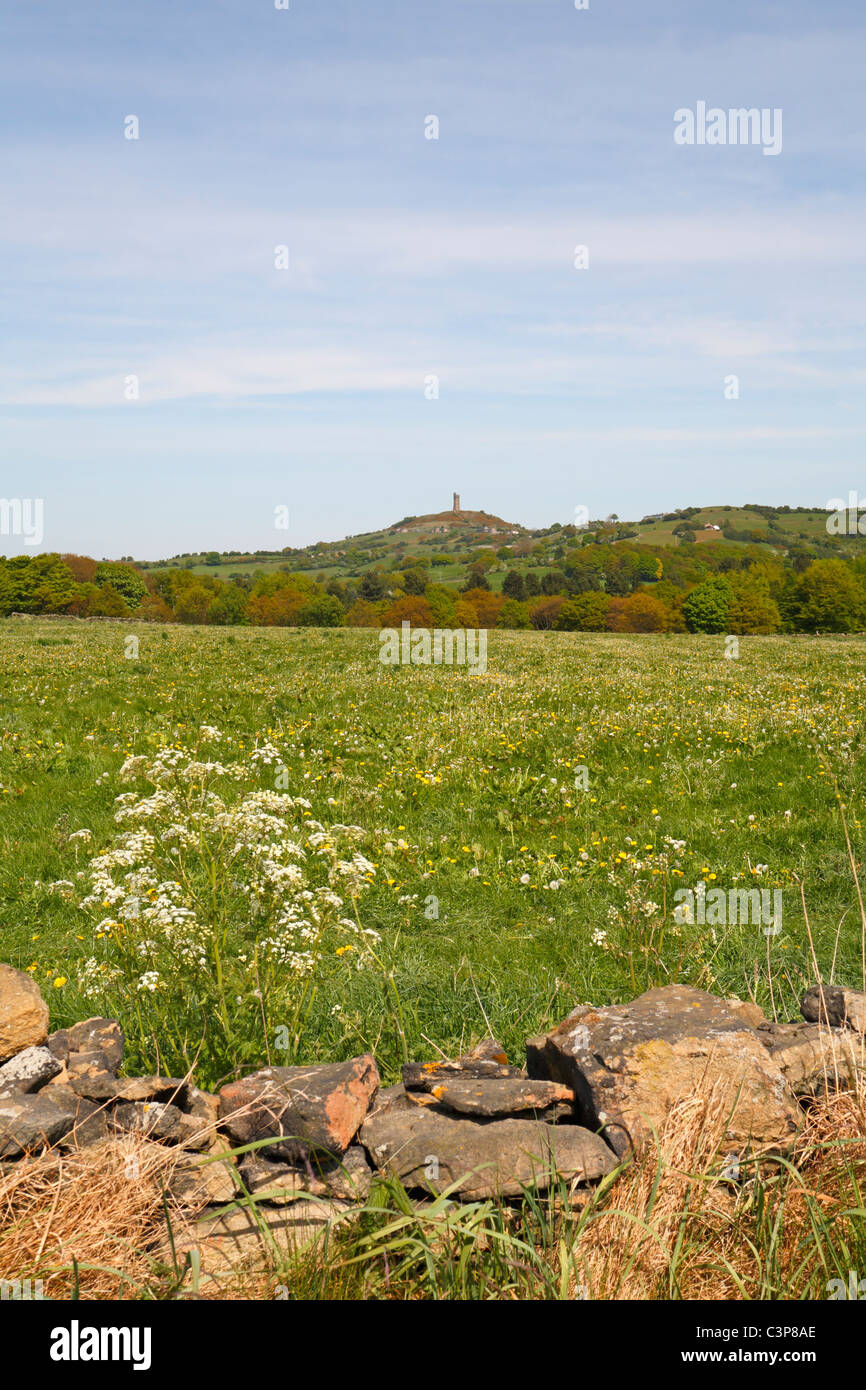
pixel 626 1250
pixel 672 1228
pixel 89 1219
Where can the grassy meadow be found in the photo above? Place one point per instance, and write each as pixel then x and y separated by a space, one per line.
pixel 511 841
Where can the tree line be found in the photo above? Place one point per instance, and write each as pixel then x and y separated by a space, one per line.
pixel 588 588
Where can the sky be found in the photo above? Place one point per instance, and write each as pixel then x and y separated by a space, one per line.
pixel 165 385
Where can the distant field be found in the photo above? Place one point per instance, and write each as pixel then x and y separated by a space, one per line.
pixel 804 526
pixel 502 891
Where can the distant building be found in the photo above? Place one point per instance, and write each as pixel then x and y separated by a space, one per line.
pixel 455 507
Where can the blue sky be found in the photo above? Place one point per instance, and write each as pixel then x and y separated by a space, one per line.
pixel 411 258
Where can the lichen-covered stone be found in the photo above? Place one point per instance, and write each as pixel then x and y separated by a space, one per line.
pixel 499 1098
pixel 423 1076
pixel 153 1119
pixel 28 1070
pixel 629 1063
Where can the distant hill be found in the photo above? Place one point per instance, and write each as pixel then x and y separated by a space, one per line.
pixel 459 523
pixel 447 541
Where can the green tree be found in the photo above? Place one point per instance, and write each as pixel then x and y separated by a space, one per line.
pixel 442 601
pixel 228 606
pixel 372 586
pixel 553 582
pixel 108 602
pixel 585 613
pixel 322 611
pixel 513 615
pixel 126 579
pixel 829 598
pixel 476 578
pixel 752 609
pixel 415 580
pixel 513 585
pixel 193 603
pixel 707 607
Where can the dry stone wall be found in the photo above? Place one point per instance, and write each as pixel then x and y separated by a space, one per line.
pixel 591 1094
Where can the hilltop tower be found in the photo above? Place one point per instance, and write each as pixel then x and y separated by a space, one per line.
pixel 455 507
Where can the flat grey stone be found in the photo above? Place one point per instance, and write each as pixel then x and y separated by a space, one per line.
pixel 430 1152
pixel 31 1122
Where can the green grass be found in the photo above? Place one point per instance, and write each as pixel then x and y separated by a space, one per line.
pixel 812 525
pixel 472 773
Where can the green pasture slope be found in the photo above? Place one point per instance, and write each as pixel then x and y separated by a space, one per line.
pixel 504 890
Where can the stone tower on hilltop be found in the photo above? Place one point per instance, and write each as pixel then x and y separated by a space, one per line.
pixel 455 507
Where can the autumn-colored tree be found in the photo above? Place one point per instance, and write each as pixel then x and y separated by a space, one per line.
pixel 487 605
pixel 544 615
pixel 81 567
pixel 412 608
pixel 640 612
pixel 466 614
pixel 154 610
pixel 276 600
pixel 279 609
pixel 364 614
